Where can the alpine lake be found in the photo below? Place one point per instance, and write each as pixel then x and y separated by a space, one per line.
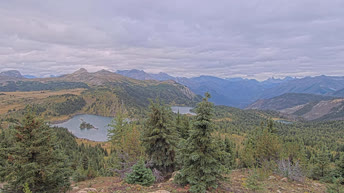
pixel 95 128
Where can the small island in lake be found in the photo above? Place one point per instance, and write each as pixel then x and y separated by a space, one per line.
pixel 85 125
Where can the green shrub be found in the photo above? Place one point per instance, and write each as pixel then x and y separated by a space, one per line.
pixel 252 181
pixel 140 175
pixel 336 187
pixel 26 188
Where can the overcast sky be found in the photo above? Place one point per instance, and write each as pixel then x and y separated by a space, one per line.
pixel 225 38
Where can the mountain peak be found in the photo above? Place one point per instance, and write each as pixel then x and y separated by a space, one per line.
pixel 135 74
pixel 12 73
pixel 81 71
pixel 103 71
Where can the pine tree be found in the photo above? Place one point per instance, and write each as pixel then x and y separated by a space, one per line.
pixel 226 152
pixel 270 126
pixel 160 138
pixel 267 145
pixel 117 128
pixel 336 186
pixel 35 159
pixel 182 126
pixel 248 155
pixel 140 175
pixel 229 146
pixel 262 145
pixel 322 165
pixel 179 124
pixel 340 166
pixel 201 166
pixel 185 127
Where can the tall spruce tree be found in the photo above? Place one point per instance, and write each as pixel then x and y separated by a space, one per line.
pixel 322 165
pixel 34 158
pixel 160 138
pixel 201 157
pixel 117 128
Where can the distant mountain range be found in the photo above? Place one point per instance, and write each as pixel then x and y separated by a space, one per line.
pixel 29 76
pixel 239 92
pixel 308 106
pixel 236 92
pixel 312 98
pixel 142 75
pixel 287 101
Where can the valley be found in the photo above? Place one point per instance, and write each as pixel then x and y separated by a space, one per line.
pixel 292 126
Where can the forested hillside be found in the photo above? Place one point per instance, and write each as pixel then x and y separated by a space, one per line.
pixel 257 143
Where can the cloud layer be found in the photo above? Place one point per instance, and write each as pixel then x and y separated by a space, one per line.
pixel 249 38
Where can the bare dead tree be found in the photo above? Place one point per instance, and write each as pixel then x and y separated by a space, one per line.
pixel 125 165
pixel 290 170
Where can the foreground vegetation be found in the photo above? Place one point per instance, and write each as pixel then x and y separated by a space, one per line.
pixel 201 153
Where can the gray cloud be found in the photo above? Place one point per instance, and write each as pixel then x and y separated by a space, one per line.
pixel 256 39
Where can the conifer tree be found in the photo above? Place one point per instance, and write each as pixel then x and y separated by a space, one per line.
pixel 322 165
pixel 340 166
pixel 179 123
pixel 201 166
pixel 160 138
pixel 260 146
pixel 34 159
pixel 267 145
pixel 117 128
pixel 229 146
pixel 140 175
pixel 226 152
pixel 182 126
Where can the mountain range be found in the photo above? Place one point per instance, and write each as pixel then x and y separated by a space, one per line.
pixel 310 107
pixel 240 92
pixel 312 98
pixel 235 92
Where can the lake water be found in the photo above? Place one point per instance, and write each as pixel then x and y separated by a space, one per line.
pixel 284 121
pixel 183 110
pixel 99 122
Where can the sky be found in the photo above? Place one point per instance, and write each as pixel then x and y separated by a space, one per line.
pixel 225 38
